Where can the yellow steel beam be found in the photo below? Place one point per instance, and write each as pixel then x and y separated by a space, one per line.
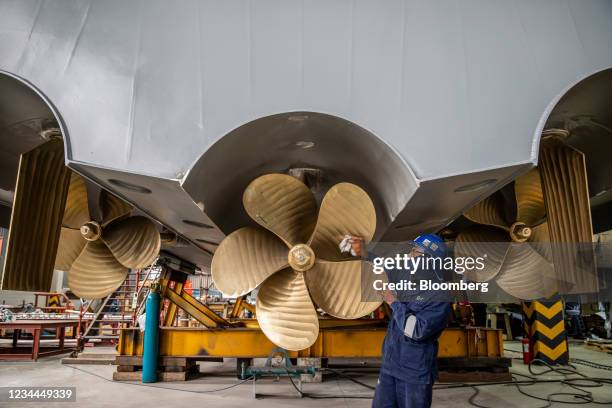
pixel 239 306
pixel 341 342
pixel 217 307
pixel 330 323
pixel 172 307
pixel 471 342
pixel 196 309
pixel 235 313
pixel 249 307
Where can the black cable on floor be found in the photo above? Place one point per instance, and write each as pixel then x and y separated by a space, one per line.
pixel 578 383
pixel 581 397
pixel 325 396
pixel 579 361
pixel 472 399
pixel 160 387
pixel 348 377
pixel 302 394
pixel 591 364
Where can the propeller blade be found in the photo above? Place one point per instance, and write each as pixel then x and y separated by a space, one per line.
pixel 340 288
pixel 93 203
pixel 525 274
pixel 135 241
pixel 488 212
pixel 285 312
pixel 71 244
pixel 283 205
pixel 529 198
pixel 76 212
pixel 112 207
pixel 245 258
pixel 481 241
pixel 95 273
pixel 540 241
pixel 345 209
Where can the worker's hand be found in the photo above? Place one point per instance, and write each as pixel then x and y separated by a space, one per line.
pixel 356 245
pixel 352 244
pixel 388 297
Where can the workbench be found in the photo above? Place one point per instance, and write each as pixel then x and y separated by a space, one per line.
pixel 36 327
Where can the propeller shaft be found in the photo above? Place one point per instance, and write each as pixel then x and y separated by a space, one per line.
pixel 91 231
pixel 301 257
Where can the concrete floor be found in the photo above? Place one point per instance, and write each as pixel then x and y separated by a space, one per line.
pixel 97 390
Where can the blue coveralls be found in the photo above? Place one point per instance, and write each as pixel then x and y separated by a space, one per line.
pixel 409 365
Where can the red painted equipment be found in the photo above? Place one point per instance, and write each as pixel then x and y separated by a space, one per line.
pixel 527 350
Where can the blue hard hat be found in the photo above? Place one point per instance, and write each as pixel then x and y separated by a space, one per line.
pixel 432 244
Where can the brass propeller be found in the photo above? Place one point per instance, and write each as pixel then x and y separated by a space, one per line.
pixel 518 253
pixel 285 312
pixel 289 212
pixel 98 253
pixel 305 264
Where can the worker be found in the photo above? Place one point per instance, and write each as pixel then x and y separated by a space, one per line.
pixel 410 348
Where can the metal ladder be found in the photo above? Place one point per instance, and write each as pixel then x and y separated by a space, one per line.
pixel 120 309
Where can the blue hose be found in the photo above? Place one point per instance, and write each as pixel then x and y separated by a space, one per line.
pixel 151 338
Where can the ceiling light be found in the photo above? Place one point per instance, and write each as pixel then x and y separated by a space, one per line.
pixel 303 144
pixel 297 118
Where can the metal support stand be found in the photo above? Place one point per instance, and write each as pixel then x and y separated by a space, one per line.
pixel 286 370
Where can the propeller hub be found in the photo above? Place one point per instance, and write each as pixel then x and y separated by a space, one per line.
pixel 301 257
pixel 520 232
pixel 91 231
